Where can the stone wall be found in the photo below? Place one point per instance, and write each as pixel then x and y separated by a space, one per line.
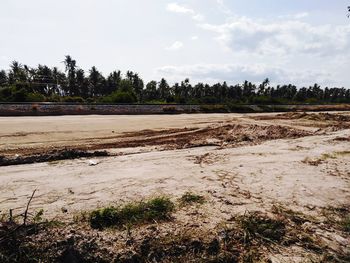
pixel 44 109
pixel 47 109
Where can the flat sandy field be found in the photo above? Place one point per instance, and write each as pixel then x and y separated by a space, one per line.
pixel 280 165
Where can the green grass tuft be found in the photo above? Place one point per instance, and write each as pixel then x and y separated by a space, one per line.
pixel 159 208
pixel 190 198
pixel 256 225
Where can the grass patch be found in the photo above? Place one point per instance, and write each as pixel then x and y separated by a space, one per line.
pixel 190 198
pixel 159 208
pixel 257 225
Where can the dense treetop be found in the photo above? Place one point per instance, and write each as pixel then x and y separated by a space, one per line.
pixel 25 84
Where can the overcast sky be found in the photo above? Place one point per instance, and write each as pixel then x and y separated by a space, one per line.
pixel 298 41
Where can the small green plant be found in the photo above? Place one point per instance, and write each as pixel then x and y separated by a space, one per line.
pixel 38 217
pixel 257 225
pixel 159 208
pixel 190 198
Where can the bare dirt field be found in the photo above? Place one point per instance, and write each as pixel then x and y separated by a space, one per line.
pixel 291 168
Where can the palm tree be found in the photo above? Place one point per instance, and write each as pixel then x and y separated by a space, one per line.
pixel 96 81
pixel 17 73
pixel 70 65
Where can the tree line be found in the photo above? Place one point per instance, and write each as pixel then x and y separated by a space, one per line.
pixel 25 84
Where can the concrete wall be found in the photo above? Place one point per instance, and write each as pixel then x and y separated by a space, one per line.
pixel 36 109
pixel 47 109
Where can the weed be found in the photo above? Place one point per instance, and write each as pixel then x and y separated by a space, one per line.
pixel 159 208
pixel 190 198
pixel 257 225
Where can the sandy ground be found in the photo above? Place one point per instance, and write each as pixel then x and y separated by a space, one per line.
pixel 306 172
pixel 29 132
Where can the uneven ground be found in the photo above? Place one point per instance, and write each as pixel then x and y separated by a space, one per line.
pixel 284 166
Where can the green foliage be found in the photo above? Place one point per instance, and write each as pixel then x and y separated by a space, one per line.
pixel 35 97
pixel 209 100
pixel 125 86
pixel 190 198
pixel 256 225
pixel 120 97
pixel 19 95
pixel 22 83
pixel 155 209
pixel 38 217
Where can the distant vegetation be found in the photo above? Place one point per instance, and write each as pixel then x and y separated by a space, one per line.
pixel 25 84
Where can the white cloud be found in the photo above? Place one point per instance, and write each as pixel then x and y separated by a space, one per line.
pixel 281 37
pixel 198 17
pixel 176 8
pixel 175 46
pixel 235 73
pixel 295 16
pixel 223 8
pixel 301 15
pixel 194 38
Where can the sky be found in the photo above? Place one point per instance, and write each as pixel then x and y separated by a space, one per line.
pixel 301 41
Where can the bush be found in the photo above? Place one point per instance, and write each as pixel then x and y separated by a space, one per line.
pixel 121 97
pixel 73 99
pixel 19 95
pixel 35 97
pixel 209 100
pixel 159 208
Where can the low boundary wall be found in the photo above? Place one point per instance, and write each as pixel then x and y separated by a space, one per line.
pixel 48 109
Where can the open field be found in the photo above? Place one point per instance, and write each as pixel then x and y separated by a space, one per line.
pixel 293 168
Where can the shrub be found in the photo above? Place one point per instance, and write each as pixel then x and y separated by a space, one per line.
pixel 159 208
pixel 121 97
pixel 35 97
pixel 19 95
pixel 73 99
pixel 209 100
pixel 256 225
